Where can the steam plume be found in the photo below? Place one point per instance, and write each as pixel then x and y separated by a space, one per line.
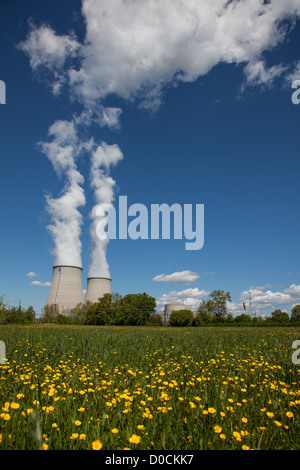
pixel 66 219
pixel 103 184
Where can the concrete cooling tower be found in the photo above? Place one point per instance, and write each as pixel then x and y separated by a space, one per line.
pixel 66 288
pixel 97 287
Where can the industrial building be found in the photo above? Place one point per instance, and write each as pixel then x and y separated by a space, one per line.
pixel 66 288
pixel 169 308
pixel 97 287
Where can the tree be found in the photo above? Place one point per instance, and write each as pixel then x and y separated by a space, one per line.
pixel 2 311
pixel 156 319
pixel 219 300
pixel 206 307
pixel 135 309
pixel 13 315
pixel 79 312
pixel 181 318
pixel 50 313
pixel 29 315
pixel 104 311
pixel 243 318
pixel 204 313
pixel 279 316
pixel 63 319
pixel 295 313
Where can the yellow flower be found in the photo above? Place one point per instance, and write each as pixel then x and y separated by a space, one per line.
pixel 82 437
pixel 44 446
pixel 20 395
pixel 237 435
pixel 96 445
pixel 217 429
pixel 222 436
pixel 74 435
pixel 270 414
pixel 114 431
pixel 5 416
pixel 14 405
pixel 134 439
pixel 277 423
pixel 289 414
pixel 245 447
pixel 211 410
pixel 141 427
pixel 77 423
pixel 245 420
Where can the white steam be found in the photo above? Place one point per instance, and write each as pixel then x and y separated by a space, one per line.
pixel 102 159
pixel 66 220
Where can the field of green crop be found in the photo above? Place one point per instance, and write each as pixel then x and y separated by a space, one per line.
pixel 74 387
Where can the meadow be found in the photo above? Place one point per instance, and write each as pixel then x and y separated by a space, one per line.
pixel 149 388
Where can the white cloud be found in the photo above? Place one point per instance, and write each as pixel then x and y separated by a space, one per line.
pixel 135 49
pixel 268 286
pixel 45 48
pixel 39 283
pixel 294 74
pixel 187 277
pixel 190 297
pixel 31 274
pixel 265 299
pixel 257 73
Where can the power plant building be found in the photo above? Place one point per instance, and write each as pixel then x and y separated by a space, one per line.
pixel 97 287
pixel 172 306
pixel 66 288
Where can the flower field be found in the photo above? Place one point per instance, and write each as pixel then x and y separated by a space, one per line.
pixel 84 387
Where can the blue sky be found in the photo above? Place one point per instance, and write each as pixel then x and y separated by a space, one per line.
pixel 201 111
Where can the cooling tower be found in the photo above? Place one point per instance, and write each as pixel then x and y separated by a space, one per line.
pixel 97 287
pixel 169 308
pixel 66 288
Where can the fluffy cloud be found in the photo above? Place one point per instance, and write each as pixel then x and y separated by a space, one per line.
pixel 48 50
pixel 31 274
pixel 136 49
pixel 45 48
pixel 190 297
pixel 39 283
pixel 262 300
pixel 257 73
pixel 186 277
pixel 143 46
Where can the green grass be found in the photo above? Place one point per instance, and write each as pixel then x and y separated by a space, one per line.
pixel 65 387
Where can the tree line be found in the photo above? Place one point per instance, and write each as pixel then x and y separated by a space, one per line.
pixel 111 309
pixel 214 311
pixel 140 310
pixel 19 315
